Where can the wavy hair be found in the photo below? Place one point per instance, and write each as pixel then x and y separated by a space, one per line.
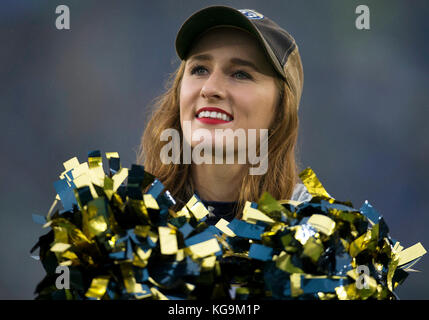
pixel 282 173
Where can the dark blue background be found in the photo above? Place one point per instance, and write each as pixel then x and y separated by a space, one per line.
pixel 364 112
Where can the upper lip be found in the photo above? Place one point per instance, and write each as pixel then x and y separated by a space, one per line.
pixel 215 110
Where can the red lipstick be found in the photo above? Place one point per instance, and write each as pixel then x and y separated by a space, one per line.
pixel 211 120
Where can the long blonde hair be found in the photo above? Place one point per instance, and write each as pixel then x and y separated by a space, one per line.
pixel 282 173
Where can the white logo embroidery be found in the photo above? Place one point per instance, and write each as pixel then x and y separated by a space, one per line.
pixel 251 14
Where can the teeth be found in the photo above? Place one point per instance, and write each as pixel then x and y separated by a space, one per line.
pixel 214 115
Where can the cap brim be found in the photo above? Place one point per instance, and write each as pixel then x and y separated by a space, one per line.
pixel 214 16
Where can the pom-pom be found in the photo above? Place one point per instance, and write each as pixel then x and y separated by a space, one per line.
pixel 113 241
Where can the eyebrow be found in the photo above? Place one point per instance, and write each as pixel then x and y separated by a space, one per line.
pixel 235 60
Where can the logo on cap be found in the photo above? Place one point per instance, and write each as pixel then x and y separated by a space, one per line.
pixel 251 14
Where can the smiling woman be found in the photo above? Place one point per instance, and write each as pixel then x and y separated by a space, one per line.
pixel 240 72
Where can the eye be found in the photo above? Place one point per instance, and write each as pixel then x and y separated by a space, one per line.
pixel 198 70
pixel 242 75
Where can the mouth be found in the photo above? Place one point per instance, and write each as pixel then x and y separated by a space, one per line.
pixel 212 115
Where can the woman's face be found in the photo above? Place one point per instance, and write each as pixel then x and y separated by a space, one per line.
pixel 227 73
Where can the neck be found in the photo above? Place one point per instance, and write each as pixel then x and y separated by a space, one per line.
pixel 218 182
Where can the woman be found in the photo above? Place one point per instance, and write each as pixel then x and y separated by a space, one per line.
pixel 239 70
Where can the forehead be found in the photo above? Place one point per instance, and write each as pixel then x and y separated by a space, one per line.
pixel 228 40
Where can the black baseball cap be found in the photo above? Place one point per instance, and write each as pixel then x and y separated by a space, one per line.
pixel 276 42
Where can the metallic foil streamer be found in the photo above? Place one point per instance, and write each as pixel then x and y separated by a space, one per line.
pixel 120 242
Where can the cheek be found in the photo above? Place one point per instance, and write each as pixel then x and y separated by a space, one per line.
pixel 258 107
pixel 188 92
pixel 269 106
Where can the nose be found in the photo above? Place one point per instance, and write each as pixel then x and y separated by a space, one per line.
pixel 214 86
